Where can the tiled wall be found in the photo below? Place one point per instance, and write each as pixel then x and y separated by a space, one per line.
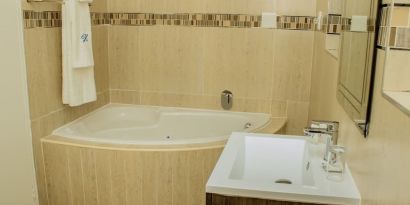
pixel 377 163
pixel 187 64
pixel 267 70
pixel 43 59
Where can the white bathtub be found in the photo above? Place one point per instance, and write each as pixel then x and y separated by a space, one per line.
pixel 151 125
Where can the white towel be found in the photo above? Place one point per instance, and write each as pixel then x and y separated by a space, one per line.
pixel 78 61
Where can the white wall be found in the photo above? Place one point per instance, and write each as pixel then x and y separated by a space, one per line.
pixel 17 175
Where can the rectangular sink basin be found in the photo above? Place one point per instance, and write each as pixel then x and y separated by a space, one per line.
pixel 281 168
pixel 254 151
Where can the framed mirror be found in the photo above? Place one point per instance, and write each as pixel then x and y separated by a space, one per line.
pixel 357 56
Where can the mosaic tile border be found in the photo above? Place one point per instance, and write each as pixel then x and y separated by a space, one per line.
pixel 296 22
pixel 382 40
pixel 195 19
pixel 49 19
pixel 395 34
pixel 332 24
pixel 46 19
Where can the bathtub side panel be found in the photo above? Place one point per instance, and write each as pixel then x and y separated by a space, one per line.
pixel 57 174
pixel 91 176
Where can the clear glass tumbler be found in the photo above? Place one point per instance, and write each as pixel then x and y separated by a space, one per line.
pixel 336 163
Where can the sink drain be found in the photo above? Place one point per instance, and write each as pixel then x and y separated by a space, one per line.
pixel 283 181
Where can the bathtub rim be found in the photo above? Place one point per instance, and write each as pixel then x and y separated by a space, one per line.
pixel 273 125
pixel 159 106
pixel 54 139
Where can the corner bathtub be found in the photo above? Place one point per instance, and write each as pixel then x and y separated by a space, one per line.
pixel 149 125
pixel 141 155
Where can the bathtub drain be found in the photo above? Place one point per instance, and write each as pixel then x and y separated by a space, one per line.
pixel 168 137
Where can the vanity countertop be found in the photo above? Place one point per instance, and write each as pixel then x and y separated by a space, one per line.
pixel 278 167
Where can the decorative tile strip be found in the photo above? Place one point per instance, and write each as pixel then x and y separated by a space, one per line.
pixel 100 18
pixel 332 24
pixel 296 22
pixel 400 38
pixel 51 19
pixel 197 20
pixel 383 27
pixel 46 19
pixel 396 33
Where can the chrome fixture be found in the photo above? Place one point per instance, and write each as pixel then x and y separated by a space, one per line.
pixel 247 125
pixel 327 129
pixel 226 99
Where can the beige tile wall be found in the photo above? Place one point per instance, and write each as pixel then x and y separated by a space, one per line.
pixel 43 59
pixel 267 70
pixel 379 164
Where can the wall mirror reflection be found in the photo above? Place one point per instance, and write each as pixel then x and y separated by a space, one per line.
pixel 394 40
pixel 356 60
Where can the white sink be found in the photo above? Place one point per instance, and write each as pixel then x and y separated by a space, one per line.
pixel 251 165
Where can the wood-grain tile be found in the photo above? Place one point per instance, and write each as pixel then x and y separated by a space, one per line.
pixel 76 175
pixel 57 174
pixel 89 177
pixel 134 177
pixel 103 160
pixel 118 178
pixel 98 176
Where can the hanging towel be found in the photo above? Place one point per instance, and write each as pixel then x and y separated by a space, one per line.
pixel 78 61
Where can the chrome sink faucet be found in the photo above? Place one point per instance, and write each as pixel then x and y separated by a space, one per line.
pixel 330 129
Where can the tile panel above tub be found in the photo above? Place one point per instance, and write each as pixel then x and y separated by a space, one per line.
pixel 331 24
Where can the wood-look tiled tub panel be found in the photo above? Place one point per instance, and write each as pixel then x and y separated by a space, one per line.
pixel 84 175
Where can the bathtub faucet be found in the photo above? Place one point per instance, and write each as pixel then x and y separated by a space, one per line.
pixel 226 99
pixel 329 129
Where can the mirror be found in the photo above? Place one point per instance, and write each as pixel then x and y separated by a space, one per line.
pixel 356 60
pixel 394 40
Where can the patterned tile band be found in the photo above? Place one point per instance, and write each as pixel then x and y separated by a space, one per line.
pixel 394 29
pixel 197 20
pixel 383 27
pixel 332 24
pixel 46 19
pixel 400 38
pixel 296 22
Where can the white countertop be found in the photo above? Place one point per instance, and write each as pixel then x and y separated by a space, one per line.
pixel 251 163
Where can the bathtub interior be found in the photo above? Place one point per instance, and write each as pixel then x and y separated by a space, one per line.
pixel 125 124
